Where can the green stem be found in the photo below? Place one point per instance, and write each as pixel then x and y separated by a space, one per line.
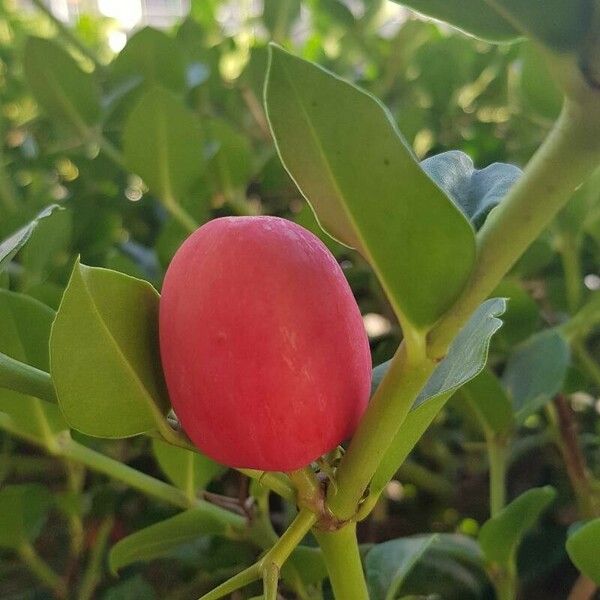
pixel 342 558
pixel 587 360
pixel 580 325
pixel 569 154
pixel 20 377
pixel 270 582
pixel 387 410
pixel 505 584
pixel 498 461
pixel 93 573
pixel 100 463
pixel 569 251
pixel 67 34
pixel 41 569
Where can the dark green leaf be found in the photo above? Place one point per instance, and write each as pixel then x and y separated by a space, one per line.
pixel 189 471
pixel 582 547
pixel 466 358
pixel 380 202
pixel 10 246
pixel 162 538
pixel 155 56
pixel 104 354
pixel 488 399
pixel 163 144
pixel 501 535
pixel 472 16
pixel 131 589
pixel 23 511
pixel 536 371
pixel 475 191
pixel 388 564
pixel 24 336
pixel 69 95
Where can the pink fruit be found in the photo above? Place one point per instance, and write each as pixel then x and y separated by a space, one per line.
pixel 264 351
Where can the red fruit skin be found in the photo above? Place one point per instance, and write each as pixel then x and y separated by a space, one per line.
pixel 264 351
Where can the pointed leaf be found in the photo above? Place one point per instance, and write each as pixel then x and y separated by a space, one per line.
pixel 24 336
pixel 488 399
pixel 189 471
pixel 388 564
pixel 10 246
pixel 160 539
pixel 466 358
pixel 536 371
pixel 501 535
pixel 344 152
pixel 475 191
pixel 162 143
pixel 104 354
pixel 582 547
pixel 68 94
pixel 23 510
pixel 155 56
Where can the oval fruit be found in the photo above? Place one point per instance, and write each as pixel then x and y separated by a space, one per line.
pixel 263 346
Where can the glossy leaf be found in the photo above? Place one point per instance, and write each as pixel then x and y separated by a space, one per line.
pixel 388 564
pixel 536 371
pixel 154 56
pixel 24 336
pixel 582 546
pixel 23 510
pixel 10 246
pixel 472 16
pixel 66 92
pixel 189 471
pixel 466 358
pixel 560 24
pixel 488 399
pixel 501 535
pixel 163 144
pixel 380 202
pixel 160 539
pixel 451 568
pixel 104 354
pixel 475 191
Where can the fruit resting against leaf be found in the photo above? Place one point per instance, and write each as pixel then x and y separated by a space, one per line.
pixel 263 346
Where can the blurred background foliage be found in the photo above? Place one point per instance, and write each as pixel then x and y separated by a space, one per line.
pixel 200 76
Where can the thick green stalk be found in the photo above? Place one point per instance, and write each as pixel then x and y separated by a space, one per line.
pixel 20 377
pixel 93 573
pixel 389 406
pixel 569 155
pixel 342 558
pixel 100 463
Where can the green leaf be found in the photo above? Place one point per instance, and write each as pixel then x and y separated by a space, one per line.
pixel 68 94
pixel 582 546
pixel 501 535
pixel 189 471
pixel 10 246
pixel 307 563
pixel 487 398
pixel 472 16
pixel 522 316
pixel 378 201
pixel 160 539
pixel 131 589
pixel 162 143
pixel 536 371
pixel 560 24
pixel 23 510
pixel 388 564
pixel 154 56
pixel 465 360
pixel 475 191
pixel 24 337
pixel 104 354
pixel 450 568
pixel 279 15
pixel 230 168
